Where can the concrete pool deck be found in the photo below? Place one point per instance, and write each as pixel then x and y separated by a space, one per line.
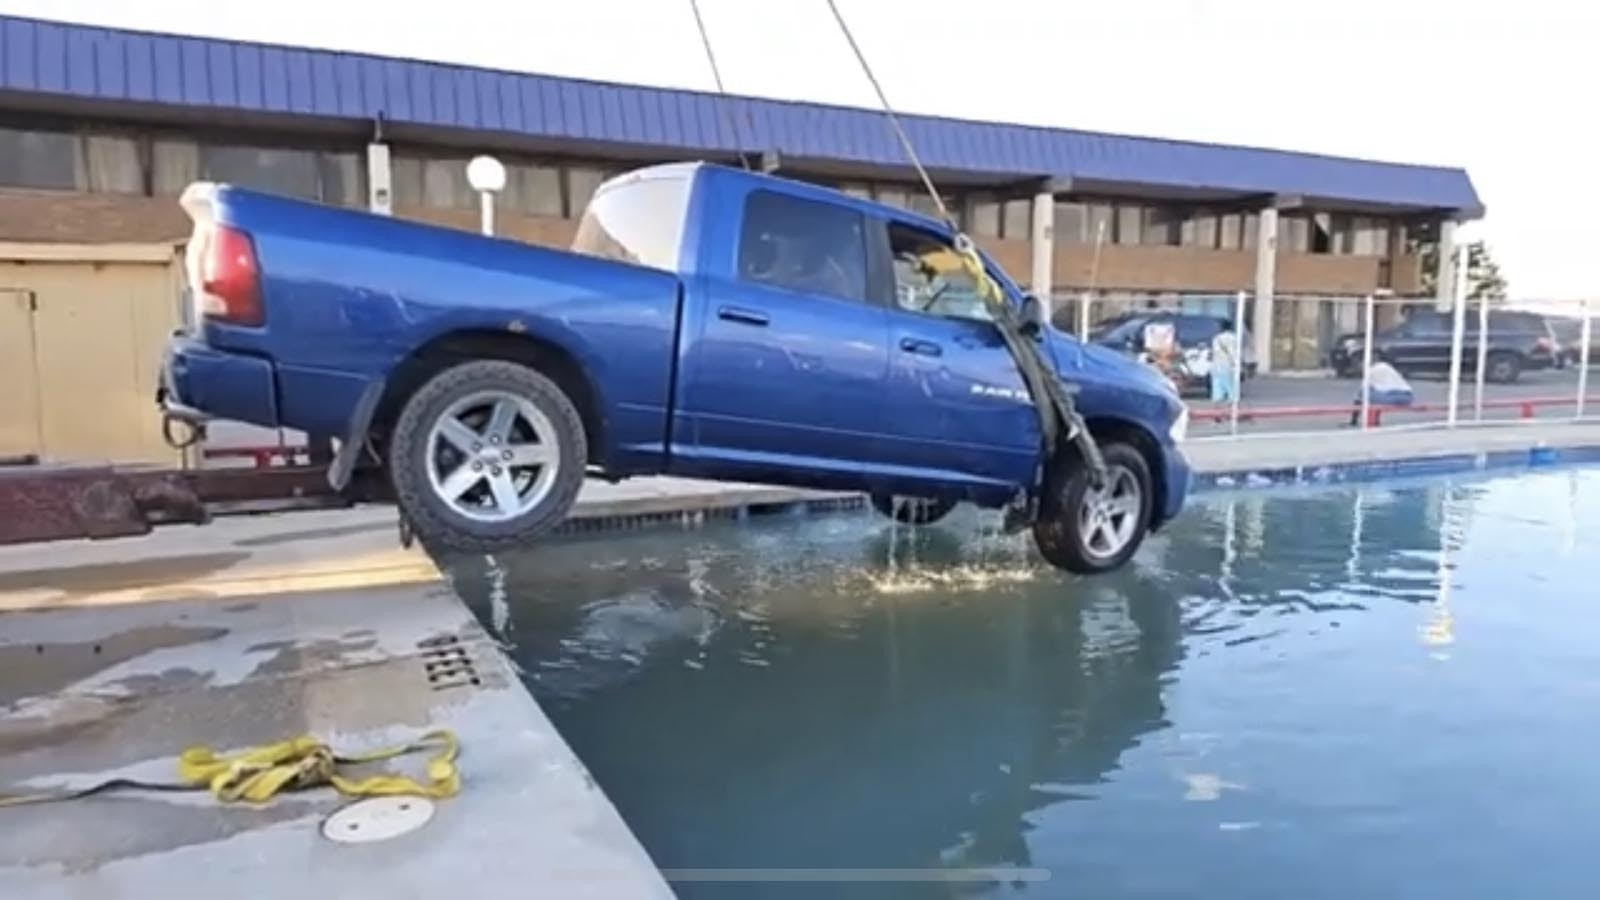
pixel 115 656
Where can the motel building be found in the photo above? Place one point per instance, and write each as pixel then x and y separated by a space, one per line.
pixel 101 129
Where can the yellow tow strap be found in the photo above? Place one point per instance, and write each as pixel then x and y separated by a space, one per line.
pixel 257 774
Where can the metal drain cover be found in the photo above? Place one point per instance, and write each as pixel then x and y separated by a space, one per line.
pixel 377 819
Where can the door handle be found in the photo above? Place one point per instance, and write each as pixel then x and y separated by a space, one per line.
pixel 921 348
pixel 743 316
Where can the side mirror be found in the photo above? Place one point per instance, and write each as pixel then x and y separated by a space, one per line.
pixel 1031 315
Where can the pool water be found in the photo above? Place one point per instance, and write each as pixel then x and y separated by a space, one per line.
pixel 1375 691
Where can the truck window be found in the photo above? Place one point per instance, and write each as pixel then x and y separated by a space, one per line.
pixel 929 277
pixel 803 245
pixel 636 218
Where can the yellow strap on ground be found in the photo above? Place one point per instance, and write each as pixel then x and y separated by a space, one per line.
pixel 257 774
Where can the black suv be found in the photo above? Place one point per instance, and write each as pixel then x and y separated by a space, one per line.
pixel 1518 341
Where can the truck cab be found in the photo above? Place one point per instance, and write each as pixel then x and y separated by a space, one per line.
pixel 708 323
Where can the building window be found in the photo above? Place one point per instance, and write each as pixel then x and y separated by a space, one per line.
pixel 1102 223
pixel 803 245
pixel 535 190
pixel 1294 234
pixel 1162 226
pixel 582 182
pixel 1250 230
pixel 343 180
pixel 1321 238
pixel 1072 223
pixel 1130 223
pixel 1016 219
pixel 445 185
pixel 889 195
pixel 1369 237
pixel 1200 230
pixel 983 216
pixel 922 203
pixel 113 164
pixel 1230 231
pixel 174 165
pixel 39 159
pixel 292 173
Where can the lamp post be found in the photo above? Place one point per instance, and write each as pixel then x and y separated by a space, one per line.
pixel 488 177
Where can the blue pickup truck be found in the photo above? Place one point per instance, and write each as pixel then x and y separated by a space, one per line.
pixel 707 323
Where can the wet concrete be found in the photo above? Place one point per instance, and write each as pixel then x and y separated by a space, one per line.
pixel 120 575
pixel 43 668
pixel 120 691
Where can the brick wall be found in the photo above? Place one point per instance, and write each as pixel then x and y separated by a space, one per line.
pixel 548 231
pixel 68 218
pixel 1188 269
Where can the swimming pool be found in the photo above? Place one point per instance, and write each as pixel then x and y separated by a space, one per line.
pixel 1366 691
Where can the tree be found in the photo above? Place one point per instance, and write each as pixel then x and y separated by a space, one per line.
pixel 1484 281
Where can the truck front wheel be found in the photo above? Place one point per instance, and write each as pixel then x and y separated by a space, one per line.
pixel 1091 529
pixel 487 455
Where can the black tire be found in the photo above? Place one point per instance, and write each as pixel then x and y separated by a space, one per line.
pixel 912 510
pixel 1060 534
pixel 433 518
pixel 1502 367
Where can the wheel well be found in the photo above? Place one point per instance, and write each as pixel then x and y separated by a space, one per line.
pixel 1121 430
pixel 441 353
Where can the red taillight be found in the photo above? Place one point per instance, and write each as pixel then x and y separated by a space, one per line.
pixel 1544 344
pixel 230 283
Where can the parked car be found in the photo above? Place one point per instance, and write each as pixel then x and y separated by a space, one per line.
pixel 1518 342
pixel 1192 331
pixel 708 323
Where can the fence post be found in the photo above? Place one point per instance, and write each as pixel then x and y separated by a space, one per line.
pixel 1483 356
pixel 1458 333
pixel 1083 316
pixel 1583 357
pixel 1366 366
pixel 1238 363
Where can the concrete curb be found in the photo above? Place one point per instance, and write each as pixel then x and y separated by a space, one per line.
pixel 1400 467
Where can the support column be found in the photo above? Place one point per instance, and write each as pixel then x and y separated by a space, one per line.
pixel 1266 281
pixel 1044 249
pixel 380 182
pixel 1445 267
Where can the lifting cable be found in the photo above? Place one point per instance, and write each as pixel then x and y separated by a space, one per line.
pixel 1051 398
pixel 716 76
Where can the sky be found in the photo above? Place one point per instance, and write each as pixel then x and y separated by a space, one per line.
pixel 1504 89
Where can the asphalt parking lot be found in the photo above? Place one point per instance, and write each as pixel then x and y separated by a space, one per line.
pixel 1276 392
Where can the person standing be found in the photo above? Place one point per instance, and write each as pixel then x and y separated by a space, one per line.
pixel 1224 364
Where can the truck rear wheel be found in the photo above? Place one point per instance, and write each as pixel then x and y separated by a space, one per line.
pixel 912 510
pixel 487 455
pixel 1087 529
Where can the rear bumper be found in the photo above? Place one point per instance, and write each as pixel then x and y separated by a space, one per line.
pixel 199 382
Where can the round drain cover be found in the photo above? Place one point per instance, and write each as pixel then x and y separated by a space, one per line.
pixel 377 819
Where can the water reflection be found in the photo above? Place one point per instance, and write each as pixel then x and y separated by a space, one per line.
pixel 831 692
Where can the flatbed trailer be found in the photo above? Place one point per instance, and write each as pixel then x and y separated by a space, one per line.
pixel 46 501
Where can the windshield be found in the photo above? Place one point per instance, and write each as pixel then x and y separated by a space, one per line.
pixel 637 218
pixel 1118 330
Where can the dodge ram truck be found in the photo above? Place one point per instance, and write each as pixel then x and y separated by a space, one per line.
pixel 707 323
